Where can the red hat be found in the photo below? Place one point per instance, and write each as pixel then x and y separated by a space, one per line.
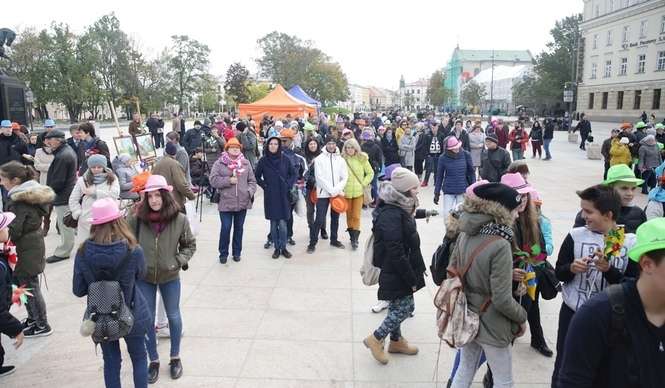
pixel 233 142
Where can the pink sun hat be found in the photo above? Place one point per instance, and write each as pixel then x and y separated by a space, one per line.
pixel 156 182
pixel 104 210
pixel 469 190
pixel 453 143
pixel 6 218
pixel 517 182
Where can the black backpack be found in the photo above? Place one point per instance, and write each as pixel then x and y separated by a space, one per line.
pixel 440 260
pixel 619 338
pixel 106 306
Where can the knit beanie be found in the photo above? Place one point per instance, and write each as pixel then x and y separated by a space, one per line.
pixel 502 194
pixel 96 160
pixel 404 180
pixel 492 137
pixel 170 149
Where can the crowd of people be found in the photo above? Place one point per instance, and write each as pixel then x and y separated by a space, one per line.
pixel 496 231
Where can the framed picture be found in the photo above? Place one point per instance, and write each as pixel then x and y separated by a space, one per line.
pixel 125 146
pixel 146 146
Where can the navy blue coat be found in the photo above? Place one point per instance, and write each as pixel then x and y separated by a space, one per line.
pixel 96 257
pixel 455 174
pixel 276 179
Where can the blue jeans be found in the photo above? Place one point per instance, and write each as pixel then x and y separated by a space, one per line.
pixel 546 144
pixel 431 165
pixel 278 233
pixel 171 295
pixel 518 154
pixel 237 220
pixel 375 186
pixel 113 360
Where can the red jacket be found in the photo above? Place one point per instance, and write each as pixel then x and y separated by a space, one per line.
pixel 518 139
pixel 502 135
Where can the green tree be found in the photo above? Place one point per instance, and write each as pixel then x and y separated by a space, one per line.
pixel 326 83
pixel 472 93
pixel 188 63
pixel 235 84
pixel 256 91
pixel 206 93
pixel 436 91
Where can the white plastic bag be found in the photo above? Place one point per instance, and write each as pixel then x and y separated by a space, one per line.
pixel 301 205
pixel 194 223
pixel 368 271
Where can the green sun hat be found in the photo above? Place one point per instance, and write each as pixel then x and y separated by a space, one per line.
pixel 640 124
pixel 621 173
pixel 660 126
pixel 650 237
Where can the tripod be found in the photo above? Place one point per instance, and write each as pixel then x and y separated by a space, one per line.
pixel 202 179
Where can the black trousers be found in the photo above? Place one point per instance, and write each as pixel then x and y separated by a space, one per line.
pixel 533 314
pixel 565 316
pixel 322 205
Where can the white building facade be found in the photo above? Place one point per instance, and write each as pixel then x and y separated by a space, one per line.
pixel 499 86
pixel 622 54
pixel 413 95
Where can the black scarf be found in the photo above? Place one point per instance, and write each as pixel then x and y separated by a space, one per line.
pixel 494 229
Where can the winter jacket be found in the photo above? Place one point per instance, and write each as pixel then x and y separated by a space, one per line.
pixel 125 174
pixel 584 126
pixel 9 325
pixel 494 163
pixel 192 139
pixel 477 145
pixel 631 217
pixel 134 128
pixel 155 125
pixel 407 149
pixel 76 145
pixel 373 151
pixel 297 160
pixel 650 157
pixel 536 134
pixel 276 176
pixel 591 361
pixel 30 202
pixel 490 277
pixel 518 139
pixel 455 173
pixel 605 149
pixel 62 174
pixel 165 252
pixel 427 146
pixel 170 169
pixel 546 229
pixel 549 130
pixel 81 204
pixel 620 153
pixel 390 150
pixel 233 197
pixel 11 148
pixel 331 174
pixel 358 169
pixel 92 258
pixel 182 157
pixel 501 133
pixel 397 252
pixel 250 146
pixel 42 163
pixel 463 137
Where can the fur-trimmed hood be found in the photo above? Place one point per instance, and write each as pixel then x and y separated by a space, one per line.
pixel 477 212
pixel 32 193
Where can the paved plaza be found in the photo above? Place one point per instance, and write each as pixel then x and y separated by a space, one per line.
pixel 298 322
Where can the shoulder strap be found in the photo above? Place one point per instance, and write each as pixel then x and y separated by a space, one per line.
pixel 352 172
pixel 617 321
pixel 474 254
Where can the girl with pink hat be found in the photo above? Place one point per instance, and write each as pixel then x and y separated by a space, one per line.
pixel 110 248
pixel 168 244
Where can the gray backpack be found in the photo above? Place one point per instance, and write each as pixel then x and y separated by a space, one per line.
pixel 107 310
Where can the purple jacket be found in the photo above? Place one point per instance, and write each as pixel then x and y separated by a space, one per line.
pixel 236 197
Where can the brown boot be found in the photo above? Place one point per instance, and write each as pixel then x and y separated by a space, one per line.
pixel 402 346
pixel 376 347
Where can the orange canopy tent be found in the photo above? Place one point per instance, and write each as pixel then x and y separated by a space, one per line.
pixel 278 103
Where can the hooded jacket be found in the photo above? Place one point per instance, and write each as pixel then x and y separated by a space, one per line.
pixel 331 174
pixel 650 156
pixel 233 197
pixel 390 149
pixel 494 163
pixel 620 153
pixel 490 277
pixel 30 202
pixel 276 176
pixel 81 204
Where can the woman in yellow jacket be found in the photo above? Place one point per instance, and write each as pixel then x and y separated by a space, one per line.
pixel 620 152
pixel 360 174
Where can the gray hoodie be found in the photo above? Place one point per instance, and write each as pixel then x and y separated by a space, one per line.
pixel 649 154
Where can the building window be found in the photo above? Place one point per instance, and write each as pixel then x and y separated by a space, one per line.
pixel 609 38
pixel 662 24
pixel 643 28
pixel 660 65
pixel 620 100
pixel 595 41
pixel 604 102
pixel 656 99
pixel 590 101
pixel 626 34
pixel 608 69
pixel 594 70
pixel 641 63
pixel 638 99
pixel 623 69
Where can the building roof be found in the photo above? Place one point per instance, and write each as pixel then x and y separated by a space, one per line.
pixel 420 83
pixel 501 72
pixel 499 55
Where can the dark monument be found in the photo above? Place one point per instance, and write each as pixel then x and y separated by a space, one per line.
pixel 13 105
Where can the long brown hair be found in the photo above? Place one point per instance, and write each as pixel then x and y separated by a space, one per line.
pixel 169 211
pixel 528 224
pixel 110 232
pixel 14 169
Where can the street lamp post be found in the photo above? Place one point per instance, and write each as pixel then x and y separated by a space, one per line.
pixel 29 98
pixel 492 86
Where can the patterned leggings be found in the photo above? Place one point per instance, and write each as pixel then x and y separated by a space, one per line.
pixel 398 311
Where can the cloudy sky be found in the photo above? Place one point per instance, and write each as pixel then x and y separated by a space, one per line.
pixel 374 41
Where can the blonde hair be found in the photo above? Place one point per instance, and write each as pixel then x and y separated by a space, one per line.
pixel 353 143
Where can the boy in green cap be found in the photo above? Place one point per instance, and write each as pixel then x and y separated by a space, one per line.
pixel 617 339
pixel 623 180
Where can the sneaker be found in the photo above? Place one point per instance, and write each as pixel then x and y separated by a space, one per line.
pixel 175 367
pixel 55 259
pixel 311 248
pixel 275 254
pixel 223 259
pixel 291 241
pixel 163 332
pixel 324 234
pixel 267 245
pixel 36 331
pixel 337 244
pixel 380 306
pixel 236 258
pixel 28 323
pixel 286 253
pixel 424 184
pixel 7 370
pixel 153 372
